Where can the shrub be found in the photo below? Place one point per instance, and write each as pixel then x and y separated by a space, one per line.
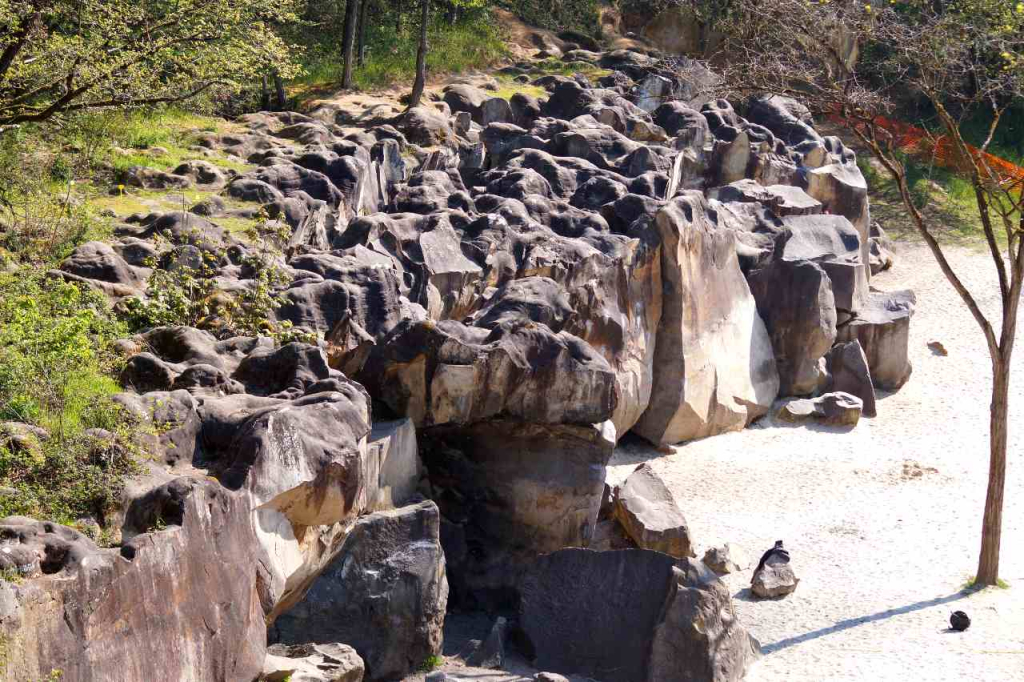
pixel 55 358
pixel 186 292
pixel 55 373
pixel 41 219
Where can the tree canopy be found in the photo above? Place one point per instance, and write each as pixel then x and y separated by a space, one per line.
pixel 66 55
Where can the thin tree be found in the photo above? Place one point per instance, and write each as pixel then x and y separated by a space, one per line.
pixel 421 57
pixel 348 46
pixel 959 61
pixel 361 45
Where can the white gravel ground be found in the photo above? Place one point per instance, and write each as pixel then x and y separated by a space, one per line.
pixel 883 521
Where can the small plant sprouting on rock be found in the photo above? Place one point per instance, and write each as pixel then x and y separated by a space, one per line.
pixel 184 291
pixel 10 575
pixel 432 662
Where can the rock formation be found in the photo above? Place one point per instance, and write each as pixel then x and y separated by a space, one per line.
pixel 502 291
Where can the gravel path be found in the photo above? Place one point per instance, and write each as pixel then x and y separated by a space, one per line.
pixel 882 521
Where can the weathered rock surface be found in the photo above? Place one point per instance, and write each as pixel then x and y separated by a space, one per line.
pixel 645 508
pixel 644 624
pixel 831 409
pixel 726 559
pixel 716 370
pixel 512 491
pixel 192 574
pixel 384 594
pixel 312 663
pixel 775 580
pixel 795 299
pixel 525 282
pixel 491 652
pixel 848 372
pixel 883 329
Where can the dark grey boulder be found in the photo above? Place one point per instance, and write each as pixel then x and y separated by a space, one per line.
pixel 632 616
pixel 384 594
pixel 848 372
pixel 512 491
pixel 795 300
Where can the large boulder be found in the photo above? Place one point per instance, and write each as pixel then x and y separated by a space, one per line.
pixel 425 126
pixel 510 491
pixel 645 508
pixel 450 373
pixel 795 299
pixel 384 594
pixel 632 616
pixel 883 329
pixel 179 600
pixel 841 188
pixel 848 372
pixel 834 244
pixel 715 369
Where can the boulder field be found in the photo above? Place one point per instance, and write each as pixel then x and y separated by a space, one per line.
pixel 502 290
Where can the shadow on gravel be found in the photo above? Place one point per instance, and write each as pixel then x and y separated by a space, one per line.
pixel 766 649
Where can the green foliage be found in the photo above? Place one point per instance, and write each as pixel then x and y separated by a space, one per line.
pixel 432 662
pixel 181 294
pixel 54 360
pixel 55 366
pixel 185 292
pixel 577 15
pixel 41 219
pixel 68 55
pixel 10 575
pixel 473 42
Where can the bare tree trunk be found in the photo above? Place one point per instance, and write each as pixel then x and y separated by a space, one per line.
pixel 348 47
pixel 421 58
pixel 264 93
pixel 282 98
pixel 361 47
pixel 991 531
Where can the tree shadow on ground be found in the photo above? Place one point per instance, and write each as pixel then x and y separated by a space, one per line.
pixel 746 595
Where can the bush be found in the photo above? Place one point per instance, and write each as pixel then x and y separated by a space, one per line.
pixel 41 219
pixel 185 292
pixel 55 358
pixel 55 373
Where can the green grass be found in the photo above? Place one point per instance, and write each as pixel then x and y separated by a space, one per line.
pixel 144 201
pixel 56 372
pixel 156 138
pixel 972 584
pixel 946 199
pixel 557 67
pixel 507 87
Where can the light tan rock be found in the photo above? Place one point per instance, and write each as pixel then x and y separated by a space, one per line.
pixel 645 508
pixel 715 369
